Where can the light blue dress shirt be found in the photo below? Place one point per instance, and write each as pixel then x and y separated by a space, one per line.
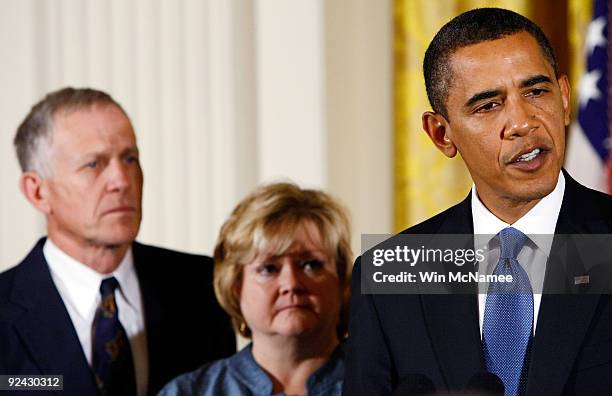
pixel 241 375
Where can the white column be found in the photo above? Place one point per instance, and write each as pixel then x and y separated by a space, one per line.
pixel 358 48
pixel 290 91
pixel 20 225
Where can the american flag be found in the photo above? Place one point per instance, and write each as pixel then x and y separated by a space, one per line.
pixel 590 144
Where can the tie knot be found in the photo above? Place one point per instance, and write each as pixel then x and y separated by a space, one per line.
pixel 108 286
pixel 511 241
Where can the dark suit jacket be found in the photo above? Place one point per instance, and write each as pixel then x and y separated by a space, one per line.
pixel 184 324
pixel 392 337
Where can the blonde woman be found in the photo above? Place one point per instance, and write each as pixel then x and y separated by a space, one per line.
pixel 282 269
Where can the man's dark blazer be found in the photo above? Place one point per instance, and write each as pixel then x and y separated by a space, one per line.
pixel 185 326
pixel 394 337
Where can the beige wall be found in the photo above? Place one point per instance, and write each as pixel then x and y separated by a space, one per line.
pixel 224 94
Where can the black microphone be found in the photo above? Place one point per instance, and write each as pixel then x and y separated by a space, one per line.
pixel 414 384
pixel 484 384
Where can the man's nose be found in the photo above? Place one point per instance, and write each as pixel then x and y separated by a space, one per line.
pixel 520 118
pixel 290 279
pixel 118 176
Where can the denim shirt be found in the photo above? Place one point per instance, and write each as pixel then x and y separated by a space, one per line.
pixel 241 375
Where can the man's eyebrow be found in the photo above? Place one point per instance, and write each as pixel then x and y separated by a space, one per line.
pixel 531 81
pixel 482 95
pixel 96 154
pixel 131 150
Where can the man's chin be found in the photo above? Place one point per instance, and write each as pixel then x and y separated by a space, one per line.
pixel 118 237
pixel 534 191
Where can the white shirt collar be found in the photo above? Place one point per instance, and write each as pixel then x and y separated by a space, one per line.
pixel 82 284
pixel 539 223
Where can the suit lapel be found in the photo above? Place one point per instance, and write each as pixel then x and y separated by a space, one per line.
pixel 46 328
pixel 564 319
pixel 562 325
pixel 155 314
pixel 452 319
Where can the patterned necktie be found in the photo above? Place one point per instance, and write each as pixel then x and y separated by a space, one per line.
pixel 508 319
pixel 112 357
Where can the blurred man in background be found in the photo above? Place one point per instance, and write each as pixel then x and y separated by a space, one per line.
pixel 113 316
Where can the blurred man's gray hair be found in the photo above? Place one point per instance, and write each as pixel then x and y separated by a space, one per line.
pixel 35 133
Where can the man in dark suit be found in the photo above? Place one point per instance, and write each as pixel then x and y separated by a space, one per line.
pixel 113 316
pixel 498 100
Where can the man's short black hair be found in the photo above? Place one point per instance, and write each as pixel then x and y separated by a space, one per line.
pixel 472 27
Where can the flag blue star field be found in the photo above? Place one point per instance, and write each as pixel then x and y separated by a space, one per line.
pixel 589 158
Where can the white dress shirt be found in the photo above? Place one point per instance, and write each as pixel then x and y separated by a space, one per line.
pixel 79 287
pixel 539 226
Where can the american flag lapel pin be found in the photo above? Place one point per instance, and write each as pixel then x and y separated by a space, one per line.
pixel 581 280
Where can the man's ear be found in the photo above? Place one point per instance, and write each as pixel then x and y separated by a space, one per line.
pixel 436 127
pixel 35 189
pixel 564 87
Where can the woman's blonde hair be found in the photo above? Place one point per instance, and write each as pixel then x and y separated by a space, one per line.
pixel 268 218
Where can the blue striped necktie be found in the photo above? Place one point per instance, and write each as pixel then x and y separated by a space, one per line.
pixel 508 319
pixel 112 361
